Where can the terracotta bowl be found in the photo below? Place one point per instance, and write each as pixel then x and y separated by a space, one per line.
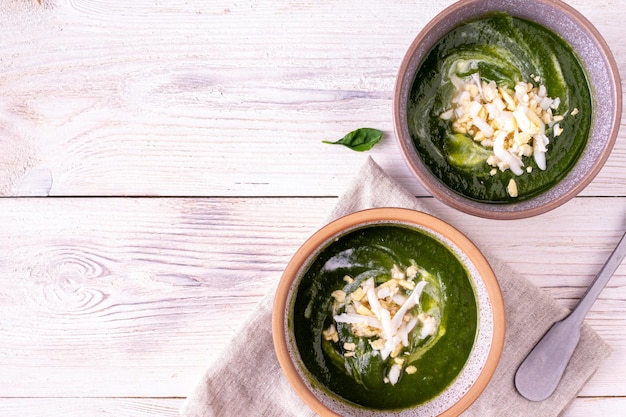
pixel 606 99
pixel 295 284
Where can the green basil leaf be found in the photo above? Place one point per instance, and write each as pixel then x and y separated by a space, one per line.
pixel 360 140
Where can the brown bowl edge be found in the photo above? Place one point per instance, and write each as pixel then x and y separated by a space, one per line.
pixel 387 214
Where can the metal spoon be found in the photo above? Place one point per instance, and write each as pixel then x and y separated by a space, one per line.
pixel 540 373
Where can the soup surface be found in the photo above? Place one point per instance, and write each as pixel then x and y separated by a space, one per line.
pixel 353 362
pixel 505 51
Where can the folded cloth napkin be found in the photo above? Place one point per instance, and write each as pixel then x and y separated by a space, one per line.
pixel 247 380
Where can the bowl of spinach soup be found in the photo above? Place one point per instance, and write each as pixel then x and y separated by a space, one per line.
pixel 388 312
pixel 507 109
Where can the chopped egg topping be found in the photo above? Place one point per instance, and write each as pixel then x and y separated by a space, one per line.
pixel 511 123
pixel 386 315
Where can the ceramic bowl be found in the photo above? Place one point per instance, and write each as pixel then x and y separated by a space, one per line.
pixel 606 100
pixel 293 301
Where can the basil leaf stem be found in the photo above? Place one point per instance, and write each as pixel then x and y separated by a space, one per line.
pixel 359 140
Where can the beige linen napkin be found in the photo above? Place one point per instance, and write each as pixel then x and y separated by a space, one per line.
pixel 247 379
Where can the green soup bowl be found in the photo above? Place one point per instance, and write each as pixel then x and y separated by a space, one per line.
pixel 507 109
pixel 388 312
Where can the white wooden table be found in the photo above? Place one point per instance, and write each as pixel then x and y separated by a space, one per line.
pixel 161 160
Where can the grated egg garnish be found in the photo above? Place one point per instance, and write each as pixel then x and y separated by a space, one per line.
pixel 512 124
pixel 385 315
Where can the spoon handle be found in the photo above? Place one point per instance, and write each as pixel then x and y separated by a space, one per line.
pixel 600 281
pixel 542 370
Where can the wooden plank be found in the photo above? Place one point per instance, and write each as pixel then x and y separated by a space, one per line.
pixel 202 99
pixel 95 291
pixel 90 407
pixel 597 407
pixel 169 407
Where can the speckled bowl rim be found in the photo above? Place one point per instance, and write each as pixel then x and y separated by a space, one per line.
pixel 491 310
pixel 603 77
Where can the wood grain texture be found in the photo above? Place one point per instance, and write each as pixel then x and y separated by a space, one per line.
pixel 113 302
pixel 202 98
pixel 149 291
pixel 168 407
pixel 91 407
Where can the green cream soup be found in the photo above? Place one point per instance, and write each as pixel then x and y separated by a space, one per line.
pixel 497 54
pixel 385 317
